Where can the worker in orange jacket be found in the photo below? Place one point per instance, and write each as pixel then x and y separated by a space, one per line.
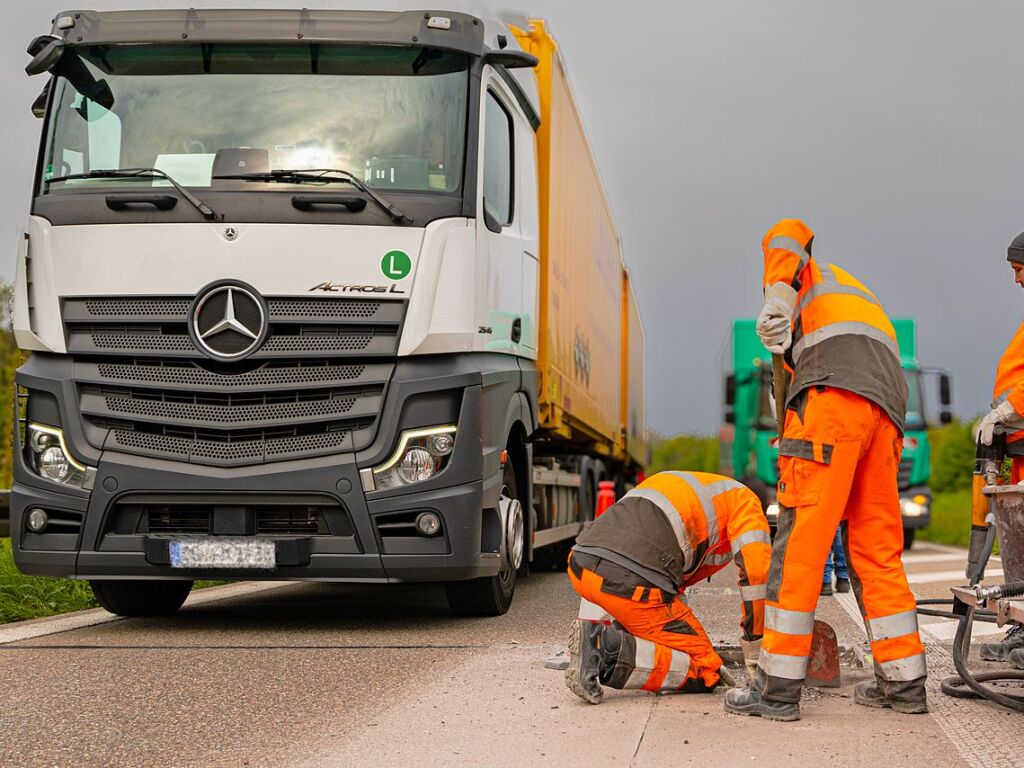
pixel 631 568
pixel 838 457
pixel 1007 417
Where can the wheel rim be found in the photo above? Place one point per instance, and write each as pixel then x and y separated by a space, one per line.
pixel 514 537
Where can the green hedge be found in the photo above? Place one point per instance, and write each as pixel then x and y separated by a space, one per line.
pixel 697 453
pixel 953 449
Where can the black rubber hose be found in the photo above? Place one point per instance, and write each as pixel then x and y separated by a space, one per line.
pixel 988 616
pixel 953 686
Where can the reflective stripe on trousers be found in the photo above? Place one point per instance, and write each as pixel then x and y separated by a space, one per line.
pixel 591 612
pixel 655 667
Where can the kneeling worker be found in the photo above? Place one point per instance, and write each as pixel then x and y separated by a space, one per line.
pixel 632 566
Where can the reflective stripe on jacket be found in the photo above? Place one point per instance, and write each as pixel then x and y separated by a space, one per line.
pixel 842 336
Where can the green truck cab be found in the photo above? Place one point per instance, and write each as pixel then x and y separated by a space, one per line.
pixel 749 439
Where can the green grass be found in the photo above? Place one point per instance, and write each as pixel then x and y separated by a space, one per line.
pixel 951 520
pixel 32 597
pixel 29 597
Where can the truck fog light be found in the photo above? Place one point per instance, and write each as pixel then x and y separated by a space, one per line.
pixel 428 524
pixel 442 444
pixel 421 454
pixel 49 457
pixel 36 520
pixel 54 465
pixel 416 466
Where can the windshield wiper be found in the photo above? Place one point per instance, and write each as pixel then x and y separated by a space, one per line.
pixel 141 173
pixel 319 175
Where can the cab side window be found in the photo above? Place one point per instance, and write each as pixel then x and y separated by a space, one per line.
pixel 499 184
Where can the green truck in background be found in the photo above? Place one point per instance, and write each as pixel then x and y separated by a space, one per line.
pixel 748 437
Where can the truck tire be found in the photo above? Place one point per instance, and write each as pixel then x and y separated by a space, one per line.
pixel 141 598
pixel 908 538
pixel 490 595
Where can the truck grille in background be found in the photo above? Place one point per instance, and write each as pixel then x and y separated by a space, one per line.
pixel 315 387
pixel 904 473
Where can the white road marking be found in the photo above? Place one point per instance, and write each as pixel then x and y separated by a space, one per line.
pixel 915 558
pixel 954 577
pixel 26 630
pixel 943 630
pixel 849 603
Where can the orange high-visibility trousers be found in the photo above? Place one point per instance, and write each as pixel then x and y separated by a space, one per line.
pixel 666 648
pixel 838 463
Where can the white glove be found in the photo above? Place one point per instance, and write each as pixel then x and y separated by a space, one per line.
pixel 1001 414
pixel 751 652
pixel 774 324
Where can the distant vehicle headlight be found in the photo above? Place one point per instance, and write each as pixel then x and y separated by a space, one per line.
pixel 915 507
pixel 50 458
pixel 772 511
pixel 421 454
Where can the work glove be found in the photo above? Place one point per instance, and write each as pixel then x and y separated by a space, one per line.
pixel 751 652
pixel 774 324
pixel 998 416
pixel 725 677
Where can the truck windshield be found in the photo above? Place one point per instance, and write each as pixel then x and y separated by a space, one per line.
pixel 915 401
pixel 394 116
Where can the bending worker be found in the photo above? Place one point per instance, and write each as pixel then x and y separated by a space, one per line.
pixel 1007 416
pixel 838 458
pixel 631 567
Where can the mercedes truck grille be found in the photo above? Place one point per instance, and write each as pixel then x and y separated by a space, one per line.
pixel 316 385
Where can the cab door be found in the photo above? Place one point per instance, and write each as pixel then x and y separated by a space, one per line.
pixel 506 225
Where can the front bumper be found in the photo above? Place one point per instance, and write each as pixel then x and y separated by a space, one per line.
pixel 95 542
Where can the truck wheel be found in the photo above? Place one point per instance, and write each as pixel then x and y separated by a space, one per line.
pixel 490 595
pixel 908 538
pixel 141 598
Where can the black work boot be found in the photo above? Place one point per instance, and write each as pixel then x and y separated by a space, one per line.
pixel 589 657
pixel 826 589
pixel 870 695
pixel 1001 651
pixel 747 701
pixel 842 585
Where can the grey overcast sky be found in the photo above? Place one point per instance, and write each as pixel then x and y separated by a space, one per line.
pixel 894 128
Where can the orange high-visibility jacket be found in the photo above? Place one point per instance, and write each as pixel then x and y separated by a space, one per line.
pixel 842 336
pixel 1010 386
pixel 711 519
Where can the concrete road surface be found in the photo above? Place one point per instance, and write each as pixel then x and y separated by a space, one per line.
pixel 324 675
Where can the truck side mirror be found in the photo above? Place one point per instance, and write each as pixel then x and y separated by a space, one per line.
pixel 46 51
pixel 730 399
pixel 945 391
pixel 510 59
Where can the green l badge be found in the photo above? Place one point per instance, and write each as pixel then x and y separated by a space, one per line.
pixel 396 265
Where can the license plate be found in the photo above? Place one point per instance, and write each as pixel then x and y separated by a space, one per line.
pixel 222 552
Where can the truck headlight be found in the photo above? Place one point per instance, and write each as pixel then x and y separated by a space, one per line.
pixel 772 511
pixel 50 458
pixel 915 507
pixel 420 455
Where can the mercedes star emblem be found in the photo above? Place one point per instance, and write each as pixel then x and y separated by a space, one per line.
pixel 228 321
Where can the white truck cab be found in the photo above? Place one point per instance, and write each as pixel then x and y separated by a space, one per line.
pixel 280 283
